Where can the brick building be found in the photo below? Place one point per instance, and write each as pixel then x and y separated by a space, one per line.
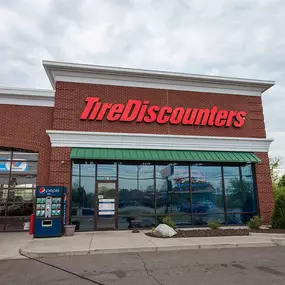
pixel 136 145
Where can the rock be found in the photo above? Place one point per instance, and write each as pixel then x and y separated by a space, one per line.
pixel 163 230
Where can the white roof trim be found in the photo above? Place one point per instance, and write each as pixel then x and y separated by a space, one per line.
pixel 96 74
pixel 27 97
pixel 151 141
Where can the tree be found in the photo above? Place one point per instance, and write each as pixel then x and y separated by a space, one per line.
pixel 78 195
pixel 278 217
pixel 281 181
pixel 278 184
pixel 240 193
pixel 274 163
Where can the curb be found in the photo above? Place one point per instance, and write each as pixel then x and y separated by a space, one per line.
pixel 273 235
pixel 279 241
pixel 33 254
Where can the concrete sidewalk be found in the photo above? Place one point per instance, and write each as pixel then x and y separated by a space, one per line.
pixel 10 244
pixel 125 241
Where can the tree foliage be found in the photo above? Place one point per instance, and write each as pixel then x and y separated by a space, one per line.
pixel 274 163
pixel 278 217
pixel 278 183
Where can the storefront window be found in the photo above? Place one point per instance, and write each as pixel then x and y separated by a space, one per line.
pixel 5 155
pixel 136 195
pixel 82 194
pixel 107 171
pixel 18 171
pixel 240 197
pixel 146 192
pixel 207 194
pixel 173 192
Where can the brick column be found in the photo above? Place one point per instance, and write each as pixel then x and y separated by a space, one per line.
pixel 60 171
pixel 264 187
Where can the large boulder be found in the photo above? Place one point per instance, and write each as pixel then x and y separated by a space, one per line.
pixel 163 230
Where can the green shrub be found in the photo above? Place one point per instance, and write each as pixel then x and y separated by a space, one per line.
pixel 168 221
pixel 255 223
pixel 278 217
pixel 214 224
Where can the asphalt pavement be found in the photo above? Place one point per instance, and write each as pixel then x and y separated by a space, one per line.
pixel 213 266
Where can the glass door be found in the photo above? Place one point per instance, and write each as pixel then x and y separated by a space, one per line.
pixel 106 205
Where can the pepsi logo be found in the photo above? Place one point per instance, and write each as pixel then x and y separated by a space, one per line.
pixel 42 190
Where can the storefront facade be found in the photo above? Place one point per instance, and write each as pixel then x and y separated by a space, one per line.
pixel 136 145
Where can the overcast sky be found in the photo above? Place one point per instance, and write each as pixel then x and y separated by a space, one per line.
pixel 228 38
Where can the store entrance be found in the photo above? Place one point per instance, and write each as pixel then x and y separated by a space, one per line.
pixel 105 205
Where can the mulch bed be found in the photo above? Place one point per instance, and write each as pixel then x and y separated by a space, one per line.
pixel 270 231
pixel 219 232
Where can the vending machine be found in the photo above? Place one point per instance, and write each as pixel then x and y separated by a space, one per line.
pixel 50 211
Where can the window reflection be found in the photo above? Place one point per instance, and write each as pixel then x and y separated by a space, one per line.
pixel 136 195
pixel 107 171
pixel 82 195
pixel 5 155
pixel 17 186
pixel 173 190
pixel 207 194
pixel 139 200
pixel 240 195
pixel 25 156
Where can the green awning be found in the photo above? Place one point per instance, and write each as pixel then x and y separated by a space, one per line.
pixel 162 155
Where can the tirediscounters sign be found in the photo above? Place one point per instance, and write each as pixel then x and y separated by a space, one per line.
pixel 142 111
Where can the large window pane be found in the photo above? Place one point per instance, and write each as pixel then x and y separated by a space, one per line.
pixel 173 191
pixel 240 195
pixel 83 191
pixel 233 189
pixel 241 202
pixel 2 209
pixel 20 195
pixel 203 219
pixel 4 181
pixel 2 221
pixel 3 195
pixel 19 209
pixel 248 193
pixel 24 167
pixel 22 181
pixel 136 195
pixel 15 223
pixel 18 187
pixel 5 155
pixel 107 171
pixel 25 156
pixel 207 193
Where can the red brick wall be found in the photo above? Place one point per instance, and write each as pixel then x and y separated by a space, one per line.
pixel 264 187
pixel 70 102
pixel 60 170
pixel 25 127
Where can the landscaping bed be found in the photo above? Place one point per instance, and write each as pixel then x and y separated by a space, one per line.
pixel 219 232
pixel 269 231
pixel 208 233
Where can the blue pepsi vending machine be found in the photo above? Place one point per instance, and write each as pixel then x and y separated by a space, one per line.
pixel 50 211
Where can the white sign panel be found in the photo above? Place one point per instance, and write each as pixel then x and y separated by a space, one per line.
pixel 106 206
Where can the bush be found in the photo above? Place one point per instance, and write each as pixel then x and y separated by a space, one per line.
pixel 255 223
pixel 277 191
pixel 168 221
pixel 278 217
pixel 214 224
